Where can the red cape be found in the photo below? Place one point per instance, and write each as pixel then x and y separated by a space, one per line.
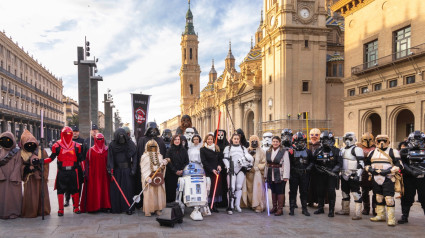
pixel 98 183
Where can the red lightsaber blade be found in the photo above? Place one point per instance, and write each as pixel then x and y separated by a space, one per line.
pixel 122 193
pixel 215 189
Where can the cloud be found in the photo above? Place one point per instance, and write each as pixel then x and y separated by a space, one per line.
pixel 137 42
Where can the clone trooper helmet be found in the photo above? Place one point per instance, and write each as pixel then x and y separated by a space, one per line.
pixel 416 139
pixel 299 140
pixel 286 137
pixel 267 139
pixel 368 140
pixel 189 133
pixel 349 139
pixel 327 139
pixel 382 141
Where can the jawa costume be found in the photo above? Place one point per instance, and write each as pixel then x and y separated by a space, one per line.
pixel 222 142
pixel 301 165
pixel 351 174
pixel 122 164
pixel 253 191
pixel 367 144
pixel 413 158
pixel 154 197
pixel 95 195
pixel 67 180
pixel 31 168
pixel 383 163
pixel 10 177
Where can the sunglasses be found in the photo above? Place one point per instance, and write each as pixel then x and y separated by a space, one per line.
pixel 379 141
pixel 314 134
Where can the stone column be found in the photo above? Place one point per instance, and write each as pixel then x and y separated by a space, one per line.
pixel 257 116
pixel 13 127
pixel 84 91
pixel 3 125
pixel 21 129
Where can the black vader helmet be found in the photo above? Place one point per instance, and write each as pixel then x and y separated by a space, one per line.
pixel 152 129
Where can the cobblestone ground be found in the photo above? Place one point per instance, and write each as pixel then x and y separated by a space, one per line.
pixel 245 224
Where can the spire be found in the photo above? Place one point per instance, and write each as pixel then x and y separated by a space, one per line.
pixel 212 71
pixel 189 29
pixel 230 55
pixel 251 43
pixel 261 21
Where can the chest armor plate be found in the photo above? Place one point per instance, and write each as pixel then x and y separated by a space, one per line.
pixel 67 155
pixel 325 157
pixel 301 157
pixel 349 161
pixel 380 161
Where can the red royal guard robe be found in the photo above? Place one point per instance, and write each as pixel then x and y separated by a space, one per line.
pixel 97 179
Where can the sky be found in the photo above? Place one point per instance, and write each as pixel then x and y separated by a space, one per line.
pixel 137 42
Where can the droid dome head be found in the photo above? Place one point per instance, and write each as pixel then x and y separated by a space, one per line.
pixel 193 169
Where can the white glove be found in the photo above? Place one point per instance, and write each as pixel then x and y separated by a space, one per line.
pixel 164 162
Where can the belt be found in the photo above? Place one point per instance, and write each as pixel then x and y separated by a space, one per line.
pixel 67 168
pixel 123 165
pixel 274 165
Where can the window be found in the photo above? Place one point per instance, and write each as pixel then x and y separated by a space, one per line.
pixel 191 89
pixel 377 87
pixel 334 70
pixel 402 42
pixel 270 79
pixel 305 86
pixel 270 117
pixel 306 43
pixel 364 90
pixel 371 54
pixel 340 70
pixel 351 92
pixel 410 79
pixel 392 83
pixel 190 53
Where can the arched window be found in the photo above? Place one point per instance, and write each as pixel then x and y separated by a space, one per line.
pixel 190 53
pixel 184 53
pixel 191 87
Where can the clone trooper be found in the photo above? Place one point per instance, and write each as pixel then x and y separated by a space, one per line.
pixel 237 161
pixel 286 137
pixel 194 187
pixel 351 173
pixel 267 141
pixel 383 162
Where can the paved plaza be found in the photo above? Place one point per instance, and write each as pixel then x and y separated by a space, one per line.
pixel 245 224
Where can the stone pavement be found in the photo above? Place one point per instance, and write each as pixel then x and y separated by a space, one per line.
pixel 245 224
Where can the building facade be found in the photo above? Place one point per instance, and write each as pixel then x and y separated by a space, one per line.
pixel 284 74
pixel 385 60
pixel 27 88
pixel 70 110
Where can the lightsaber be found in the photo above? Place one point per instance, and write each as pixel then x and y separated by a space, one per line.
pixel 215 189
pixel 267 199
pixel 122 193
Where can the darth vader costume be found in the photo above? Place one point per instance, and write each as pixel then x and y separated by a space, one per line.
pixel 122 164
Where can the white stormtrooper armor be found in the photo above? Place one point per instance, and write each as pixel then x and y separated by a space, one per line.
pixel 353 157
pixel 239 156
pixel 194 187
pixel 267 141
pixel 381 162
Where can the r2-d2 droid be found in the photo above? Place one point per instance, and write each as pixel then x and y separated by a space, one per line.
pixel 194 187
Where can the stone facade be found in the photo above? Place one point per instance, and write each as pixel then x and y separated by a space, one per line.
pixel 385 60
pixel 70 109
pixel 27 87
pixel 284 74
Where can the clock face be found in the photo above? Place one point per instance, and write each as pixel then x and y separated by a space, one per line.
pixel 304 13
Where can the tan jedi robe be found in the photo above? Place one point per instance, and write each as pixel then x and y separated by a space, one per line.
pixel 253 190
pixel 31 205
pixel 10 182
pixel 154 198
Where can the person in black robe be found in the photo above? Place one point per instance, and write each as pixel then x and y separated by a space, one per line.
pixel 122 164
pixel 178 160
pixel 212 160
pixel 152 132
pixel 222 142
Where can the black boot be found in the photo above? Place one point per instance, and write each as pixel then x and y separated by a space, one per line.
pixel 292 205
pixel 67 198
pixel 405 215
pixel 331 208
pixel 304 208
pixel 320 208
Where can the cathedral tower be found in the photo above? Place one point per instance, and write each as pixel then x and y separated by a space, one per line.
pixel 190 71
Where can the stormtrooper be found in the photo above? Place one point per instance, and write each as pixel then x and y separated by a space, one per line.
pixel 194 187
pixel 352 169
pixel 237 161
pixel 267 141
pixel 286 137
pixel 188 135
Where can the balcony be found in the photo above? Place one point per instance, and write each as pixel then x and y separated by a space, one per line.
pixel 11 91
pixel 18 94
pixel 3 88
pixel 396 57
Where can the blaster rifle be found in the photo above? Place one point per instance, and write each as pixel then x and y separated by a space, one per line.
pixel 325 170
pixel 231 172
pixel 418 168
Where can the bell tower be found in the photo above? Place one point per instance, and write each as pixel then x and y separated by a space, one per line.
pixel 190 71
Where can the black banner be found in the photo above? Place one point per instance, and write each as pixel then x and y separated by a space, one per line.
pixel 140 113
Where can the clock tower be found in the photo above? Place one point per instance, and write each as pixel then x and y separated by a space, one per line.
pixel 190 71
pixel 294 61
